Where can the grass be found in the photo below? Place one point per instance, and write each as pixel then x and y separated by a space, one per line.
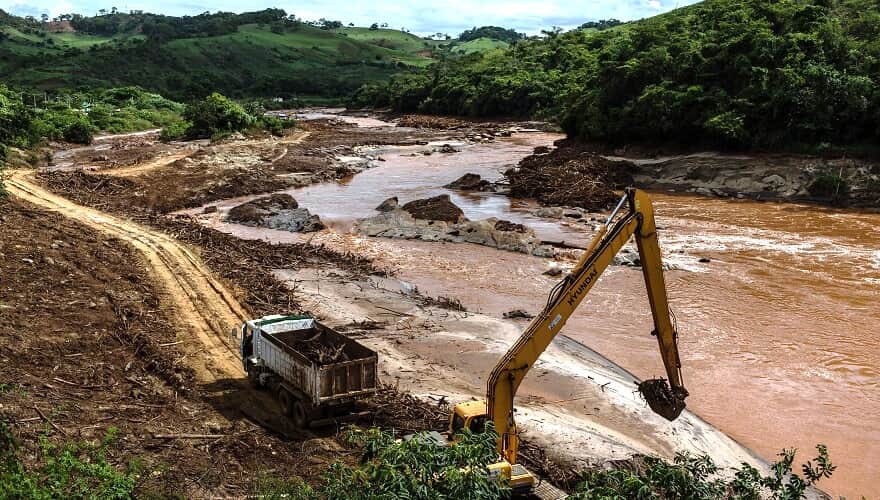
pixel 390 39
pixel 478 45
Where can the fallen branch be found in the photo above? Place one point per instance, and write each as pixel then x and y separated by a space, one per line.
pixel 188 436
pixel 49 421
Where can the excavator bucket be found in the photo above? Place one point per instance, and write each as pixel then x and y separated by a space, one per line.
pixel 663 399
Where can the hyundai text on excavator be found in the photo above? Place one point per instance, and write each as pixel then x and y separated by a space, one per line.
pixel 664 398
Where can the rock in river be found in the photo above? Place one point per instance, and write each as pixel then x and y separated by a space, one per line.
pixel 437 208
pixel 277 211
pixel 388 205
pixel 470 182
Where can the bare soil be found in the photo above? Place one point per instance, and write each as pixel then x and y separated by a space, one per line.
pixel 93 342
pixel 89 345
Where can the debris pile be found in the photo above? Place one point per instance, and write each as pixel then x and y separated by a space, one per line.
pixel 438 208
pixel 321 348
pixel 567 176
pixel 516 314
pixel 426 121
pixel 662 398
pixel 470 182
pixel 277 211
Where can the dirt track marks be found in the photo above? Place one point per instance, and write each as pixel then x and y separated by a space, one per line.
pixel 202 305
pixel 146 166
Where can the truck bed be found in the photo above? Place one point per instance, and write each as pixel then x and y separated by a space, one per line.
pixel 320 345
pixel 318 362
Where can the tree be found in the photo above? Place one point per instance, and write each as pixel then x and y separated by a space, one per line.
pixel 216 114
pixel 102 11
pixel 44 18
pixel 374 26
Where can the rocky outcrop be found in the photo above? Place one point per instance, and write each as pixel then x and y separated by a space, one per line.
pixel 438 208
pixel 470 182
pixel 400 224
pixel 388 205
pixel 277 211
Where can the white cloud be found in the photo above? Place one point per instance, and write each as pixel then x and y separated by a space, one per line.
pixel 418 16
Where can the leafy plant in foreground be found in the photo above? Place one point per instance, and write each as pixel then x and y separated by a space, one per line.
pixel 696 477
pixel 72 470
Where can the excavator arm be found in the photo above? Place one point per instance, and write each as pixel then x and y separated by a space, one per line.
pixel 665 399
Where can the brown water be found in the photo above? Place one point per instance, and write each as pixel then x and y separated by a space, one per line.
pixel 780 332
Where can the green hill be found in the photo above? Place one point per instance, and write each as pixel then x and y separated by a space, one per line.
pixel 791 74
pixel 478 45
pixel 188 57
pixel 390 39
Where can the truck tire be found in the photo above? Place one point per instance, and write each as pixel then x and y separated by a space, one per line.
pixel 300 414
pixel 287 401
pixel 253 373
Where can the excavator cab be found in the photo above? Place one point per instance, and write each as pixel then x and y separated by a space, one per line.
pixel 472 415
pixel 469 415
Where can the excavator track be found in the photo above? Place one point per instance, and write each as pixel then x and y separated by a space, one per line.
pixel 546 491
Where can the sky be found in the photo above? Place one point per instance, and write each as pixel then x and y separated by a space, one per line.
pixel 418 16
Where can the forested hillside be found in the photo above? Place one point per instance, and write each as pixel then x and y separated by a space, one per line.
pixel 266 53
pixel 736 73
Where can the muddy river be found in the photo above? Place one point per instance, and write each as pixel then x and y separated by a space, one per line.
pixel 780 329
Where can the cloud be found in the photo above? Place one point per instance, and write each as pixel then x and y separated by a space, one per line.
pixel 418 16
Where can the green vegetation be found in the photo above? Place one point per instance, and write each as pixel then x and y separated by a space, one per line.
pixel 75 117
pixel 792 74
pixel 417 468
pixel 216 116
pixel 696 478
pixel 830 186
pixel 391 39
pixel 491 33
pixel 478 45
pixel 73 470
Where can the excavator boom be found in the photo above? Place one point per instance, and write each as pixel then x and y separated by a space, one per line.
pixel 666 399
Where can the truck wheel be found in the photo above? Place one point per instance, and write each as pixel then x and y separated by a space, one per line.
pixel 253 374
pixel 300 415
pixel 287 401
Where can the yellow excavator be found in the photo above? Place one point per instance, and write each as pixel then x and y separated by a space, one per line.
pixel 664 398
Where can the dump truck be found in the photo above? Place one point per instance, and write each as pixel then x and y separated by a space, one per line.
pixel 317 373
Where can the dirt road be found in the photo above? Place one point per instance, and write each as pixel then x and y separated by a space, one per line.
pixel 202 305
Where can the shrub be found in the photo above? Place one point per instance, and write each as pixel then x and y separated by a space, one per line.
pixel 275 125
pixel 828 185
pixel 689 477
pixel 174 131
pixel 416 468
pixel 216 115
pixel 79 132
